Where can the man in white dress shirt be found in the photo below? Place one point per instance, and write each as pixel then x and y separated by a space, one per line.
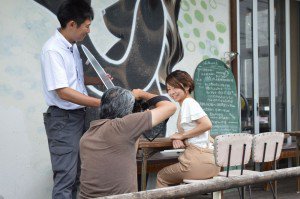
pixel 66 95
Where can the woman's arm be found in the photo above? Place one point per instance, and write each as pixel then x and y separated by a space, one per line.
pixel 203 124
pixel 163 109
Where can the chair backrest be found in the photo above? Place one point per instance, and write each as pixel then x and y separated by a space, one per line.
pixel 267 146
pixel 231 149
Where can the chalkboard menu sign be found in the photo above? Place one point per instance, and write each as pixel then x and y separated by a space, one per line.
pixel 215 90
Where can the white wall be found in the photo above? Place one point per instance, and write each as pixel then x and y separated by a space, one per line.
pixel 25 170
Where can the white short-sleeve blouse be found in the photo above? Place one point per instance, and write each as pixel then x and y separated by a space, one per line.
pixel 191 111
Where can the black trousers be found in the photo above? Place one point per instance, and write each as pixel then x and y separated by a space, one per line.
pixel 64 129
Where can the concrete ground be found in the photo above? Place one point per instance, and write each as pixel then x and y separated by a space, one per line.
pixel 287 189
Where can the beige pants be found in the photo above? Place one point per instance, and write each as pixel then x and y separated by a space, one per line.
pixel 195 163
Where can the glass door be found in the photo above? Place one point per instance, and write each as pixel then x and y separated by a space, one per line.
pixel 263 68
pixel 246 66
pixel 280 65
pixel 263 63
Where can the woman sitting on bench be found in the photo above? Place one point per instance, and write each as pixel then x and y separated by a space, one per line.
pixel 197 161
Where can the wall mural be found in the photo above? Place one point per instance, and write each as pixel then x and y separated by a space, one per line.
pixel 137 41
pixel 148 43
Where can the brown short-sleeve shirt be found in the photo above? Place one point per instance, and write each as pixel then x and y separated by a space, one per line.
pixel 108 156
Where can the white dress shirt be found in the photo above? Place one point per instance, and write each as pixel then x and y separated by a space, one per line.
pixel 61 67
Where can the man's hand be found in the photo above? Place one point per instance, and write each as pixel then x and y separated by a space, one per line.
pixel 178 144
pixel 109 76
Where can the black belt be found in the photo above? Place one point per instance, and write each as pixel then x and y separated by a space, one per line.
pixel 73 110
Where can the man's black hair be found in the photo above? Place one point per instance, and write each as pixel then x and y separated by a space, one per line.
pixel 74 10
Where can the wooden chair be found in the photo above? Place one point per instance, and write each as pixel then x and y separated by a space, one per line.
pixel 231 150
pixel 267 147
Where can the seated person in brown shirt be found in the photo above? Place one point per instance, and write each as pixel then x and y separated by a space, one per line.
pixel 107 149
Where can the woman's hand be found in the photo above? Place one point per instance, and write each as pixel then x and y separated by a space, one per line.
pixel 177 136
pixel 137 93
pixel 178 144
